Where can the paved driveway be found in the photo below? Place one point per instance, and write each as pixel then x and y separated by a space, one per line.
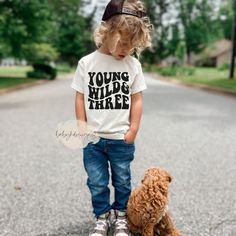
pixel 191 133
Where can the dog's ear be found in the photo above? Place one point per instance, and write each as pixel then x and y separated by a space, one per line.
pixel 144 180
pixel 147 180
pixel 169 177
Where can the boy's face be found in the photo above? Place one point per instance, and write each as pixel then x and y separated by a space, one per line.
pixel 121 48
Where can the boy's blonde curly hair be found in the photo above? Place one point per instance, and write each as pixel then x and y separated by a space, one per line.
pixel 138 29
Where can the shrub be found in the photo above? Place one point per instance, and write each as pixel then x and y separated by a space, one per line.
pixel 43 71
pixel 176 71
pixel 185 71
pixel 37 75
pixel 39 53
pixel 63 67
pixel 224 67
pixel 167 71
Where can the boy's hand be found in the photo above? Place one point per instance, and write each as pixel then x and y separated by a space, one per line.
pixel 130 136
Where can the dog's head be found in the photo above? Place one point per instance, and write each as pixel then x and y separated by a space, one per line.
pixel 157 178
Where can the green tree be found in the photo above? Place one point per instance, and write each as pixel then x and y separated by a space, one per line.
pixel 226 18
pixel 196 18
pixel 181 51
pixel 39 53
pixel 157 9
pixel 23 22
pixel 175 39
pixel 73 31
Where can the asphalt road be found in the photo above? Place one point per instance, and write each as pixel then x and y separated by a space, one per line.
pixel 191 133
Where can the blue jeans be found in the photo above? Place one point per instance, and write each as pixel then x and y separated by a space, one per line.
pixel 96 158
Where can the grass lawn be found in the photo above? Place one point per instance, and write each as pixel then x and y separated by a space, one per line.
pixel 211 77
pixel 7 82
pixel 208 76
pixel 15 75
pixel 14 71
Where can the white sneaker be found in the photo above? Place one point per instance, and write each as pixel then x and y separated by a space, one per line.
pixel 120 224
pixel 102 225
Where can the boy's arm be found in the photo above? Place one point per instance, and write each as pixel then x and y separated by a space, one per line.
pixel 79 107
pixel 135 116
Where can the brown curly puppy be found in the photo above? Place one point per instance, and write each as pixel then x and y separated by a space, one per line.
pixel 166 227
pixel 147 205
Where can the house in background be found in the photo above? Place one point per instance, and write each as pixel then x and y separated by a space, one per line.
pixel 7 62
pixel 216 55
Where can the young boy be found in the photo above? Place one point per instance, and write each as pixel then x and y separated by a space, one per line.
pixel 109 84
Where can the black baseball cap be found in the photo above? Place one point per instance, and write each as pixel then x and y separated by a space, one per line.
pixel 115 7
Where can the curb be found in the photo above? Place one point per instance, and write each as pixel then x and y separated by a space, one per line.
pixel 37 82
pixel 195 86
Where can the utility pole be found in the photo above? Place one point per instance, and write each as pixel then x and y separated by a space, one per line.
pixel 231 76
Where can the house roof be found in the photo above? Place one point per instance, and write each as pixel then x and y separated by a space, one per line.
pixel 216 49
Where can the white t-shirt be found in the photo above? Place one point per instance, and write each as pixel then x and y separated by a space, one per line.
pixel 107 85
